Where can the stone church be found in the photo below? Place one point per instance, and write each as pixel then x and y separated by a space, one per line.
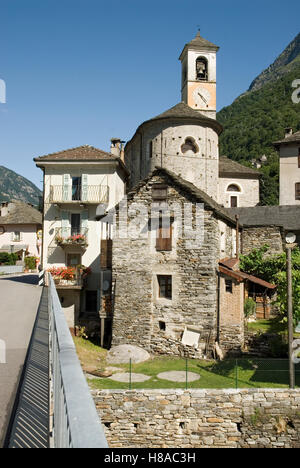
pixel 170 294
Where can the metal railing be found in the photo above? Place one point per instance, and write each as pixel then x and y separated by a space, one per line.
pixel 70 236
pixel 79 194
pixel 76 423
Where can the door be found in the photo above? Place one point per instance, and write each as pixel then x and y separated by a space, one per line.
pixel 75 224
pixel 76 188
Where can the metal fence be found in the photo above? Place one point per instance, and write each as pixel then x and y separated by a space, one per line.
pixel 163 373
pixel 76 423
pixel 11 269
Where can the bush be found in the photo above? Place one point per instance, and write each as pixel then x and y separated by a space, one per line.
pixel 8 259
pixel 249 307
pixel 30 263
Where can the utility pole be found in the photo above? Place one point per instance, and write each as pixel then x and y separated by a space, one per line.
pixel 290 244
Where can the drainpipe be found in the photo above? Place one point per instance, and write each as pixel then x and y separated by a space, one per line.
pixel 237 237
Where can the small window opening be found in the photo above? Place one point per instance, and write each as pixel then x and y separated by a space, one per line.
pixel 189 145
pixel 228 286
pixel 165 286
pixel 162 326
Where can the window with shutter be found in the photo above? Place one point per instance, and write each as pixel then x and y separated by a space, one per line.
pixel 297 191
pixel 106 254
pixel 66 187
pixel 164 235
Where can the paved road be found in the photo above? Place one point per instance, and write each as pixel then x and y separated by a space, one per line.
pixel 19 300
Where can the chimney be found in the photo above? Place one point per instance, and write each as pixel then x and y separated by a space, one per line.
pixel 288 132
pixel 117 148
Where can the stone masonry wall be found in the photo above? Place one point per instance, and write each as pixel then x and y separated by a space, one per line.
pixel 262 418
pixel 138 311
pixel 256 237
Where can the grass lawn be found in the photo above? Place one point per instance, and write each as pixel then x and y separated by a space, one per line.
pixel 270 326
pixel 231 373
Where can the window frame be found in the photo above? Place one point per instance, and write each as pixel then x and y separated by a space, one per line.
pixel 168 287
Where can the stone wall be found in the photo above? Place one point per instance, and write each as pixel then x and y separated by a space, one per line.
pixel 256 237
pixel 264 418
pixel 141 317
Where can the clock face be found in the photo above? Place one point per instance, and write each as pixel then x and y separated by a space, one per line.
pixel 201 97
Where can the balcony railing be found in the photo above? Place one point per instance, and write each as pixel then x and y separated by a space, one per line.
pixel 65 237
pixel 92 194
pixel 69 277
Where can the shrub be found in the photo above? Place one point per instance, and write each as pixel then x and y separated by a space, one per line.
pixel 249 307
pixel 30 263
pixel 8 259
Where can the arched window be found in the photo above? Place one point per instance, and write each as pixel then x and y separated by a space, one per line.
pixel 233 188
pixel 189 145
pixel 201 69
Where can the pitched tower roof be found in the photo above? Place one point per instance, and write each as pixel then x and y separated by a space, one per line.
pixel 199 43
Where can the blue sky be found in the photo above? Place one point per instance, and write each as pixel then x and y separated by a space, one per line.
pixel 82 71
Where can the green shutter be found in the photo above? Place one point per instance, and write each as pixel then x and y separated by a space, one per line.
pixel 66 187
pixel 84 221
pixel 84 192
pixel 65 224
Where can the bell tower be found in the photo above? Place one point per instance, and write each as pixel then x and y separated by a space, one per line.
pixel 199 78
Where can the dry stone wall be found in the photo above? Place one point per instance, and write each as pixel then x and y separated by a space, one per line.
pixel 262 418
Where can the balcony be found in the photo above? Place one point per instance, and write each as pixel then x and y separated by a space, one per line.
pixel 69 237
pixel 69 277
pixel 87 195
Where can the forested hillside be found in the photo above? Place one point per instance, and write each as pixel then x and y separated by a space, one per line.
pixel 259 117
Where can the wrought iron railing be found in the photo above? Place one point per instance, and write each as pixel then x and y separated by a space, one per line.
pixel 71 236
pixel 79 194
pixel 76 423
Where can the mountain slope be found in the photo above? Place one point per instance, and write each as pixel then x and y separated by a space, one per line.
pixel 259 117
pixel 14 186
pixel 286 62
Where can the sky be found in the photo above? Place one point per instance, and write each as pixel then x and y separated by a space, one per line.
pixel 80 72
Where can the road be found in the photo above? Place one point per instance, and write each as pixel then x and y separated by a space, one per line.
pixel 19 300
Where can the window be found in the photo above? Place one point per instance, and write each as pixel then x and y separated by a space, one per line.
pixel 233 188
pixel 75 224
pixel 189 145
pixel 299 158
pixel 106 254
pixel 159 192
pixel 201 69
pixel 233 202
pixel 165 286
pixel 91 301
pixel 164 235
pixel 73 260
pixel 151 149
pixel 16 236
pixel 162 326
pixel 76 188
pixel 297 191
pixel 228 286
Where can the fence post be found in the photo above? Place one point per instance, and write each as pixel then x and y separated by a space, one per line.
pixel 236 374
pixel 186 374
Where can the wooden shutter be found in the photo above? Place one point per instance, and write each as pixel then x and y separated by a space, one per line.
pixel 106 254
pixel 84 220
pixel 164 238
pixel 297 191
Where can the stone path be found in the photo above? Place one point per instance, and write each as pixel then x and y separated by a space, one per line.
pixel 178 376
pixel 124 377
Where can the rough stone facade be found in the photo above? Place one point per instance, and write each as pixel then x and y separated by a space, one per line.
pixel 159 144
pixel 256 237
pixel 250 418
pixel 141 317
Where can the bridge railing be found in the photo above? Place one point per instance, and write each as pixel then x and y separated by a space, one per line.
pixel 76 423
